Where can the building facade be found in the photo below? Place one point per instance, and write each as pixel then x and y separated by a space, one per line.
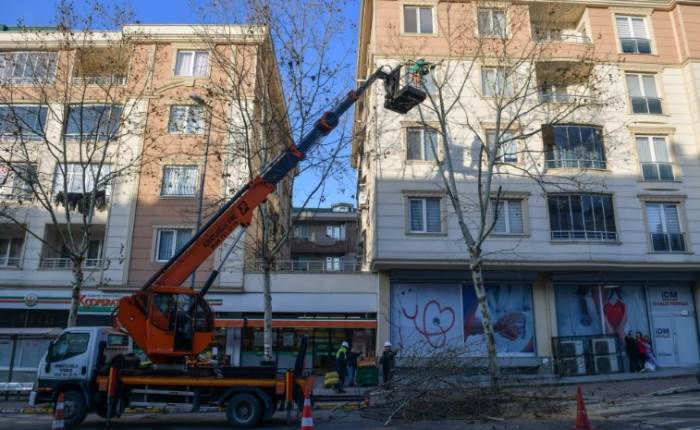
pixel 616 255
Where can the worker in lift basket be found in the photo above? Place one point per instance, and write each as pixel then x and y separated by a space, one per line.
pixel 341 366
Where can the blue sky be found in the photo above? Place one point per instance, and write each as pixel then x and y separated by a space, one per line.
pixel 338 188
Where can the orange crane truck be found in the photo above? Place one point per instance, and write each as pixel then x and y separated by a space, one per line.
pixel 93 367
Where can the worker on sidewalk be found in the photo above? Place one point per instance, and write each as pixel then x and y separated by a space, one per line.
pixel 341 366
pixel 352 366
pixel 388 362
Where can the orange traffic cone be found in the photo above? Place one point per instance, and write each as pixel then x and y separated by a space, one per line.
pixel 582 422
pixel 57 423
pixel 307 419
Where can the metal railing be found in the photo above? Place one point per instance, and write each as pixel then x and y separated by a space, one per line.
pixel 576 163
pixel 635 45
pixel 99 80
pixel 548 36
pixel 655 171
pixel 651 105
pixel 668 242
pixel 317 266
pixel 563 98
pixel 67 263
pixel 584 235
pixel 9 262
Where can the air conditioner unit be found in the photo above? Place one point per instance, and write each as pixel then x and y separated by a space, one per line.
pixel 606 364
pixel 573 366
pixel 604 346
pixel 571 348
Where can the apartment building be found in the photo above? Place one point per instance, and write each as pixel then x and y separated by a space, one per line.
pixel 170 90
pixel 325 239
pixel 617 255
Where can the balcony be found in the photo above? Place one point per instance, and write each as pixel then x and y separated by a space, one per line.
pixel 327 265
pixel 101 66
pixel 56 254
pixel 11 243
pixel 319 243
pixel 564 82
pixel 560 23
pixel 646 105
pixel 584 235
pixel 668 242
pixel 575 163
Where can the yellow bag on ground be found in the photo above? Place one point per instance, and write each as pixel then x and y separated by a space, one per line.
pixel 331 379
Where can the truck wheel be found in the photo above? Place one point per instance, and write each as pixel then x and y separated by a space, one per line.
pixel 74 409
pixel 243 411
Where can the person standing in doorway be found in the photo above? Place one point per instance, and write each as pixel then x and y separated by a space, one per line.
pixel 632 352
pixel 388 362
pixel 352 367
pixel 341 366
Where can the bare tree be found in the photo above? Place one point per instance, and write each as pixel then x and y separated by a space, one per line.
pixel 291 77
pixel 490 99
pixel 68 116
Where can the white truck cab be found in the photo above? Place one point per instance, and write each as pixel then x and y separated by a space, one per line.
pixel 71 364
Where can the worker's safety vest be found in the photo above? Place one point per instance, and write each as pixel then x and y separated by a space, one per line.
pixel 342 349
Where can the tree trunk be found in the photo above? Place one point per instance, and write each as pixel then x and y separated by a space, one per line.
pixel 75 294
pixel 480 291
pixel 267 324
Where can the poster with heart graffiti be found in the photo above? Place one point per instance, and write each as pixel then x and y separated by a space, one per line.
pixel 512 316
pixel 426 318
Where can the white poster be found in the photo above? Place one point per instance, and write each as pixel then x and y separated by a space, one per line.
pixel 426 318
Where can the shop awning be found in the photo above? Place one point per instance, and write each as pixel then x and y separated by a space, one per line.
pixel 297 323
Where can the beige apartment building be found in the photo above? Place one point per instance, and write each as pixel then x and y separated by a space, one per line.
pixel 568 271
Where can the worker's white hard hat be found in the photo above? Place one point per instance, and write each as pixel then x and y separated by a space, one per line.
pixel 387 344
pixel 345 344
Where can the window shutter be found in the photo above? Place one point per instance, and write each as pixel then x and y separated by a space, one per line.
pixel 426 20
pixel 673 225
pixel 433 215
pixel 639 29
pixel 623 27
pixel 660 150
pixel 500 225
pixel 654 218
pixel 416 214
pixel 410 19
pixel 644 149
pixel 413 144
pixel 515 216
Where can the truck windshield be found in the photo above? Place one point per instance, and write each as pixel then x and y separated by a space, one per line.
pixel 69 345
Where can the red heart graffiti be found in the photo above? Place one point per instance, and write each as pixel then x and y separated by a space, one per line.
pixel 615 313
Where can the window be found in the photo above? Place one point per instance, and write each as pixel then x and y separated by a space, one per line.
pixel 495 82
pixel 424 215
pixel 192 63
pixel 555 93
pixel 170 240
pixel 582 217
pixel 509 216
pixel 421 143
pixel 16 180
pixel 492 22
pixel 93 121
pixel 10 251
pixel 333 264
pixel 186 119
pixel 632 31
pixel 68 345
pixel 643 94
pixel 23 121
pixel 507 151
pixel 654 158
pixel 337 232
pixel 26 68
pixel 301 232
pixel 94 253
pixel 418 19
pixel 179 181
pixel 79 178
pixel 665 227
pixel 574 146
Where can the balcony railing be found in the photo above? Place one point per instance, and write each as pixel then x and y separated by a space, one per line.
pixel 553 36
pixel 317 266
pixel 67 263
pixel 9 262
pixel 668 242
pixel 584 235
pixel 563 98
pixel 650 105
pixel 657 171
pixel 575 163
pixel 99 80
pixel 635 45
